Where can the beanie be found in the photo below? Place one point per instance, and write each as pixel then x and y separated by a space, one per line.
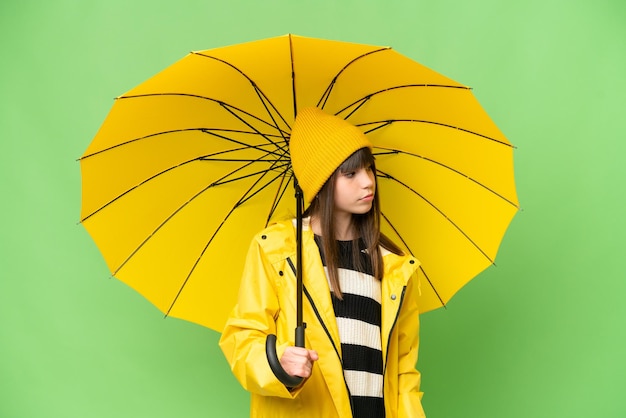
pixel 319 144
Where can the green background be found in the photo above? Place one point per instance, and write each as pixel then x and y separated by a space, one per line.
pixel 540 335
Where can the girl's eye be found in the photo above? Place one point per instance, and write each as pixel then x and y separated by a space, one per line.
pixel 349 174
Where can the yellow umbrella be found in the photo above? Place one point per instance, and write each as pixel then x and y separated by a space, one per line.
pixel 190 164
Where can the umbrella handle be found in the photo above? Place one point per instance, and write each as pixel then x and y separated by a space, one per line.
pixel 272 358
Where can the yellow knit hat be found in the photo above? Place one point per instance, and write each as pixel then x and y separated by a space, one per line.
pixel 319 144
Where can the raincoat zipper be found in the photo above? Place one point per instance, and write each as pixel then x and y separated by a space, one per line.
pixel 319 318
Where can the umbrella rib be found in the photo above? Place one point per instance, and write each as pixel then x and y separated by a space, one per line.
pixel 211 99
pixel 264 99
pixel 279 145
pixel 135 187
pixel 326 95
pixel 406 245
pixel 395 230
pixel 181 207
pixel 432 286
pixel 282 189
pixel 447 167
pixel 202 158
pixel 390 177
pixel 174 131
pixel 228 109
pixel 245 197
pixel 221 183
pixel 284 167
pixel 364 99
pixel 277 198
pixel 383 123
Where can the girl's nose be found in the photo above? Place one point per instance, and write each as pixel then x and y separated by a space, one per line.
pixel 367 178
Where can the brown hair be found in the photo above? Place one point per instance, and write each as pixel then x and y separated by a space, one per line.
pixel 366 226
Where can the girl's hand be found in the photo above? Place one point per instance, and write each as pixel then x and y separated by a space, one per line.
pixel 298 361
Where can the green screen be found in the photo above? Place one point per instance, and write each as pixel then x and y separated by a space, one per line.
pixel 540 335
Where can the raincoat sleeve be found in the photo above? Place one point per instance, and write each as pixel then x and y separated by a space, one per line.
pixel 409 379
pixel 252 319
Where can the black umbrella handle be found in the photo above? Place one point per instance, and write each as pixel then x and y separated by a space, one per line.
pixel 280 373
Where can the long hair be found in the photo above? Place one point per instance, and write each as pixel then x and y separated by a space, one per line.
pixel 365 226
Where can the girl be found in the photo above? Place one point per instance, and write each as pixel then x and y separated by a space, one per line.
pixel 360 292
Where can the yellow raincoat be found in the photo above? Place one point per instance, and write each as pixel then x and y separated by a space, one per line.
pixel 267 305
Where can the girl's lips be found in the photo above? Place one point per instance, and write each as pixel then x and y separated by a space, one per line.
pixel 368 197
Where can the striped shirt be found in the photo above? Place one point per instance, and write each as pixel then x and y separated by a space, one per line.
pixel 359 321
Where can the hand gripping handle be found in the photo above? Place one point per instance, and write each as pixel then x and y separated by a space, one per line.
pixel 272 358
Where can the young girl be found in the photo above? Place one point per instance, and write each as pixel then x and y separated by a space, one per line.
pixel 360 292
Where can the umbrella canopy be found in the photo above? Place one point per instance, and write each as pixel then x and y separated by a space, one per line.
pixel 190 164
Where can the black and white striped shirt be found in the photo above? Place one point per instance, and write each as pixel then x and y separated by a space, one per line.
pixel 359 321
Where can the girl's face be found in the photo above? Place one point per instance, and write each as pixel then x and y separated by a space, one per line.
pixel 354 191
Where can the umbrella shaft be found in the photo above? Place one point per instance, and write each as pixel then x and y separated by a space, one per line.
pixel 299 289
